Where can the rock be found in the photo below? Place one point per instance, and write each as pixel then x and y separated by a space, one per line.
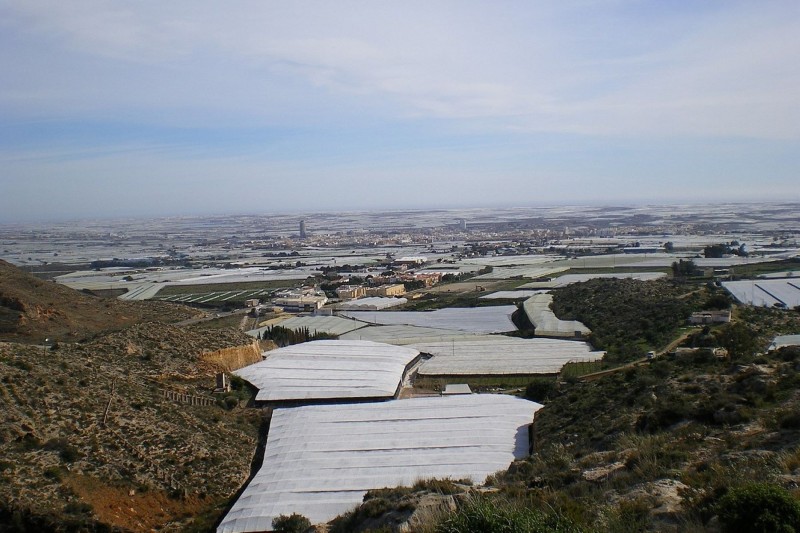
pixel 602 473
pixel 430 505
pixel 665 495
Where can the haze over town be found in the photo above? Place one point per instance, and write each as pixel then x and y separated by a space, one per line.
pixel 120 109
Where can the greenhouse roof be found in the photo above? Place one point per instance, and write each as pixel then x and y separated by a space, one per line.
pixel 503 356
pixel 490 319
pixel 328 370
pixel 546 323
pixel 321 460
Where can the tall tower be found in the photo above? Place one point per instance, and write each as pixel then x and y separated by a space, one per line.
pixel 302 229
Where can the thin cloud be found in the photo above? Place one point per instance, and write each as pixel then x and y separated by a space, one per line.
pixel 729 73
pixel 587 98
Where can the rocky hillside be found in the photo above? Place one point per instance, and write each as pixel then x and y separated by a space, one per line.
pixel 122 431
pixel 32 309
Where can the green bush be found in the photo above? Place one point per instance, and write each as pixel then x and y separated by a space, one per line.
pixel 540 389
pixel 294 523
pixel 759 508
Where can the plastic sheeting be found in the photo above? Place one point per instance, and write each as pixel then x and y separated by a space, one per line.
pixel 503 356
pixel 766 292
pixel 493 319
pixel 331 369
pixel 545 322
pixel 333 325
pixel 320 460
pixel 372 303
pixel 409 334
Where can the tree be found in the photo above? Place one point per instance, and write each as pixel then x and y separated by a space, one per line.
pixel 717 302
pixel 738 339
pixel 716 250
pixel 414 284
pixel 683 269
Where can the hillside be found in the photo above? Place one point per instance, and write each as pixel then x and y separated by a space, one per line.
pixel 120 431
pixel 89 438
pixel 671 444
pixel 32 309
pixel 628 317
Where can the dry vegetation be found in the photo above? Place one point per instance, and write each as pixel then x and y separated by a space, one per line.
pixel 121 430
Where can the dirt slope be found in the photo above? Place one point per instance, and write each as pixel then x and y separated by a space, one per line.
pixel 32 309
pixel 123 429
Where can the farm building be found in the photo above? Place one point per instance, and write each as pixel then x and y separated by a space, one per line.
pixel 710 317
pixel 501 356
pixel 397 289
pixel 301 302
pixel 349 292
pixel 330 371
pixel 321 460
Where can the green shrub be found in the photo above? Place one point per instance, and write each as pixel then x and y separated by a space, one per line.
pixel 759 508
pixel 540 389
pixel 67 452
pixel 228 402
pixel 294 523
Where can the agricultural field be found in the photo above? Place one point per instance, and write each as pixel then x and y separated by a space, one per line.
pixel 219 294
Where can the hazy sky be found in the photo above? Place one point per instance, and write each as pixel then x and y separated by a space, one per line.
pixel 180 107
